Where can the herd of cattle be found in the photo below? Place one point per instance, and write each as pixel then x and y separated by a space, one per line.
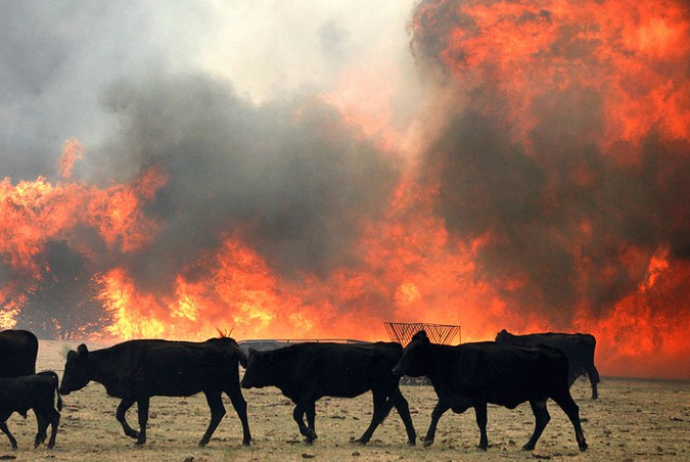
pixel 510 371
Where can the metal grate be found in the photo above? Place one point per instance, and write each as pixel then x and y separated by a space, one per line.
pixel 402 332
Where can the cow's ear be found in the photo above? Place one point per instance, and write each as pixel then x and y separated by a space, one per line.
pixel 83 351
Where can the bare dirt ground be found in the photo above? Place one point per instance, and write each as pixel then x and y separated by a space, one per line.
pixel 633 420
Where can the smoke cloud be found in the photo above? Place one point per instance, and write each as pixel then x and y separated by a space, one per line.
pixel 570 219
pixel 229 103
pixel 289 175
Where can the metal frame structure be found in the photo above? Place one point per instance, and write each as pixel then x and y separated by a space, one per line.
pixel 403 332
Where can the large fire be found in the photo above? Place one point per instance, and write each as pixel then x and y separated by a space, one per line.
pixel 542 195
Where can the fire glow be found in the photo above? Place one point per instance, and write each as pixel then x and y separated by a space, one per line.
pixel 548 198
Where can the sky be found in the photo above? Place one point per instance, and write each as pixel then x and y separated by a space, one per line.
pixel 61 57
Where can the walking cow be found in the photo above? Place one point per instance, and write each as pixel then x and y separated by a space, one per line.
pixel 136 370
pixel 305 372
pixel 37 392
pixel 578 348
pixel 475 374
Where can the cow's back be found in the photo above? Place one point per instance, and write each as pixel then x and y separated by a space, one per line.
pixel 579 348
pixel 168 368
pixel 18 353
pixel 334 369
pixel 183 368
pixel 506 374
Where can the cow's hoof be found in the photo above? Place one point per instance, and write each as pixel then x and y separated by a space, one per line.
pixel 203 443
pixel 359 442
pixel 412 443
pixel 482 448
pixel 583 446
pixel 428 443
pixel 132 434
pixel 528 447
pixel 246 444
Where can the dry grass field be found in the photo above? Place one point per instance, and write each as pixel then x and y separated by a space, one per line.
pixel 633 420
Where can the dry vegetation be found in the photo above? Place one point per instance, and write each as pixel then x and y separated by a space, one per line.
pixel 632 420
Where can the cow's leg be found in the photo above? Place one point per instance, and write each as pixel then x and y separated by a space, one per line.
pixel 565 401
pixel 52 416
pixel 297 415
pixel 480 413
pixel 382 407
pixel 6 431
pixel 42 426
pixel 143 414
pixel 215 403
pixel 122 409
pixel 240 405
pixel 593 375
pixel 436 414
pixel 3 426
pixel 403 409
pixel 42 421
pixel 310 412
pixel 572 377
pixel 541 414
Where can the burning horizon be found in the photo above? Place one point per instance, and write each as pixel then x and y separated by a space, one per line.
pixel 538 186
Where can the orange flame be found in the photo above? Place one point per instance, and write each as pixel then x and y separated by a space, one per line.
pixel 605 76
pixel 72 151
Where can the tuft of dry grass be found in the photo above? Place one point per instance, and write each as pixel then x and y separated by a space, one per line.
pixel 632 420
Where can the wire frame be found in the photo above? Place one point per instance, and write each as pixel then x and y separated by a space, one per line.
pixel 403 332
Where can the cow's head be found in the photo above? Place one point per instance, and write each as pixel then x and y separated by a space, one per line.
pixel 260 369
pixel 224 343
pixel 76 374
pixel 503 336
pixel 414 360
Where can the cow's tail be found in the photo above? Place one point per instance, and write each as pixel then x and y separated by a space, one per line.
pixel 59 400
pixel 55 377
pixel 594 372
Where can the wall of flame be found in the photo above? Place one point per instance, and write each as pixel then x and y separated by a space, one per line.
pixel 541 186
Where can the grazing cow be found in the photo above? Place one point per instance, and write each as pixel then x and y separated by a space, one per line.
pixel 578 348
pixel 37 392
pixel 18 353
pixel 305 372
pixel 475 374
pixel 136 370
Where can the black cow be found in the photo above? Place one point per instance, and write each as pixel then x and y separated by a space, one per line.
pixel 37 392
pixel 136 370
pixel 578 348
pixel 18 353
pixel 305 372
pixel 475 374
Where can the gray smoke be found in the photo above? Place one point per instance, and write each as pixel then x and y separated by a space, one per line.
pixel 290 175
pixel 566 220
